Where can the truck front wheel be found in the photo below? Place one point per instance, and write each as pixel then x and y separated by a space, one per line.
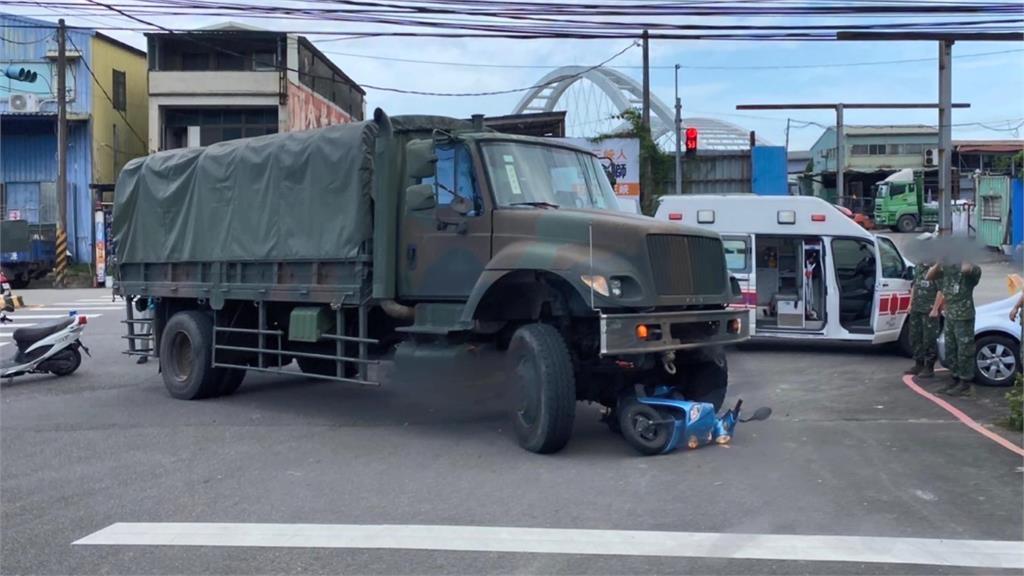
pixel 906 223
pixel 541 375
pixel 185 357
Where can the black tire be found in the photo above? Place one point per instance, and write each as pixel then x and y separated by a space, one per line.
pixel 1002 349
pixel 646 428
pixel 230 380
pixel 541 374
pixel 18 282
pixel 185 349
pixel 65 362
pixel 708 380
pixel 906 223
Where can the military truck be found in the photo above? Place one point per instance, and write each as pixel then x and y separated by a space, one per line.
pixel 329 247
pixel 901 203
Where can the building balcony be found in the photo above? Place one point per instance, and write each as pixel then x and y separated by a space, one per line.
pixel 214 82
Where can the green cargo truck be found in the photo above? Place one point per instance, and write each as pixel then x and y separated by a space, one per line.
pixel 329 247
pixel 900 202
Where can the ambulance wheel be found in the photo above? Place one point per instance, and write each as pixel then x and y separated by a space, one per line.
pixel 906 223
pixel 541 377
pixel 647 429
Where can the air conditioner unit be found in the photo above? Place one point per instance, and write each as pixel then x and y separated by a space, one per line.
pixel 23 103
pixel 931 157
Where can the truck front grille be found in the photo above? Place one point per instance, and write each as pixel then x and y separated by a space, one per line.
pixel 687 265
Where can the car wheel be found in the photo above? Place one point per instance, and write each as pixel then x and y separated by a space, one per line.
pixel 997 359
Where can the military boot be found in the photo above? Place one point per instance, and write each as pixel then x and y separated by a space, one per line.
pixel 927 371
pixel 918 366
pixel 949 388
pixel 966 390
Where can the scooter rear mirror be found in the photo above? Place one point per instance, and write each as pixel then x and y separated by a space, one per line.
pixel 761 413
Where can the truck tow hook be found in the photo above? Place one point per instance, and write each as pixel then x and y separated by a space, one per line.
pixel 668 362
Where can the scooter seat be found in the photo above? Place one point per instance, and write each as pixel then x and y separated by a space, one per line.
pixel 30 334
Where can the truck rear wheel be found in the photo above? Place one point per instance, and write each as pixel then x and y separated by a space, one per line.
pixel 906 223
pixel 230 380
pixel 541 375
pixel 185 357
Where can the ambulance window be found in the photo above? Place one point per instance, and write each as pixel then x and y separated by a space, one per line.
pixel 737 253
pixel 892 263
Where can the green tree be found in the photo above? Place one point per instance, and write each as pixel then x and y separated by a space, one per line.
pixel 662 168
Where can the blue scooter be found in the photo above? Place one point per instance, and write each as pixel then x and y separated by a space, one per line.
pixel 658 423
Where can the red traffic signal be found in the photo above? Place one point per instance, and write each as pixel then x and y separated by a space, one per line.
pixel 691 139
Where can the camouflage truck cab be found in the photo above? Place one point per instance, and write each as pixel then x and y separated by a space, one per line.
pixel 338 242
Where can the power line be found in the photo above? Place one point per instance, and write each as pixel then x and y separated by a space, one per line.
pixel 85 61
pixel 663 67
pixel 26 42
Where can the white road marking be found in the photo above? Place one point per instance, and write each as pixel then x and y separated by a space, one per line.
pixel 52 316
pixel 66 307
pixel 923 551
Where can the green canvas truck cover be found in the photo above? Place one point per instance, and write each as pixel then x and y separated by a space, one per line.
pixel 290 196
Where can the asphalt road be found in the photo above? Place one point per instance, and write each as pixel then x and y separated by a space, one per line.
pixel 849 451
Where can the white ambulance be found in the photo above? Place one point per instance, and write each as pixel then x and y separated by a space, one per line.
pixel 807 270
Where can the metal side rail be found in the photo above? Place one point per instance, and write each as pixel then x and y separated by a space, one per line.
pixel 262 351
pixel 140 343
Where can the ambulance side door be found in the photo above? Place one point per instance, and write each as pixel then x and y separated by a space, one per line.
pixel 739 260
pixel 892 291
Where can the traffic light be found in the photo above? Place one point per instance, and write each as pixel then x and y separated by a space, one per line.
pixel 691 140
pixel 15 72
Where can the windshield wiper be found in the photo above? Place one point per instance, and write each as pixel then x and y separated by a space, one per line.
pixel 540 204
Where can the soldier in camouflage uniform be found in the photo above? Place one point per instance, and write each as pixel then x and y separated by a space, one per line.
pixel 956 299
pixel 924 329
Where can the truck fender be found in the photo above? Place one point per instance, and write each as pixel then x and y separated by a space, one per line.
pixel 565 262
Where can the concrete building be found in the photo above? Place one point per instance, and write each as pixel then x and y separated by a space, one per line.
pixel 872 153
pixel 106 111
pixel 232 81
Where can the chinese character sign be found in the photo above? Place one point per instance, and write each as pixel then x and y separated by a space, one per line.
pixel 621 158
pixel 307 110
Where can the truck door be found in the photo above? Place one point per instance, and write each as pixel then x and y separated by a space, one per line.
pixel 892 292
pixel 442 252
pixel 739 260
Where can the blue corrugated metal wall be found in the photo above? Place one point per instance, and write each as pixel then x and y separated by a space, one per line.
pixel 29 49
pixel 28 141
pixel 768 175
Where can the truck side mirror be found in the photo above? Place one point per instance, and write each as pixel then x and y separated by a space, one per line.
pixel 420 160
pixel 737 292
pixel 420 197
pixel 908 273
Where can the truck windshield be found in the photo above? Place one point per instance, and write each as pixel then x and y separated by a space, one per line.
pixel 547 176
pixel 882 191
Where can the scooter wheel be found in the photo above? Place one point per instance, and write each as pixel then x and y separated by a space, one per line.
pixel 66 362
pixel 647 429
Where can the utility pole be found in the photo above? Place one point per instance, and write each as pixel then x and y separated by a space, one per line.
pixel 840 155
pixel 945 136
pixel 787 134
pixel 645 115
pixel 945 106
pixel 62 156
pixel 839 107
pixel 678 127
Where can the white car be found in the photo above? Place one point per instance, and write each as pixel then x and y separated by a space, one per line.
pixel 997 354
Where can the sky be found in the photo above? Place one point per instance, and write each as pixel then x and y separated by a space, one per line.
pixel 993 84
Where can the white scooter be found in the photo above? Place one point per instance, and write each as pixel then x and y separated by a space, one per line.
pixel 51 347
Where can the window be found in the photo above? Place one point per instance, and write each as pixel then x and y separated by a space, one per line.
pixel 847 254
pixel 859 150
pixel 910 149
pixel 892 263
pixel 737 253
pixel 454 170
pixel 195 61
pixel 991 207
pixel 532 174
pixel 218 125
pixel 230 61
pixel 119 95
pixel 264 61
pixel 876 149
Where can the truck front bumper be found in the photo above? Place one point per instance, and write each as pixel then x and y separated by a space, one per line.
pixel 620 333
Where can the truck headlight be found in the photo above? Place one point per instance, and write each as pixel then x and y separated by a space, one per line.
pixel 615 285
pixel 598 283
